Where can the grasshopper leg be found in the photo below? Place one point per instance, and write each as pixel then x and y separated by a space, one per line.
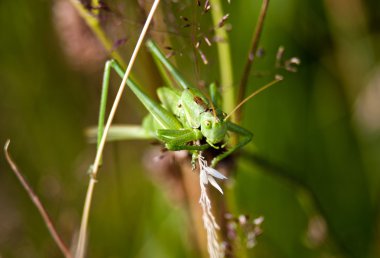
pixel 120 133
pixel 163 117
pixel 160 58
pixel 179 139
pixel 246 137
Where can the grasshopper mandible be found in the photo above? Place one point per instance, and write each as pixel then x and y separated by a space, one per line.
pixel 184 120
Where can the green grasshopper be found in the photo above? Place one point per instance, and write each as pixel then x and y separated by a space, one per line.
pixel 184 120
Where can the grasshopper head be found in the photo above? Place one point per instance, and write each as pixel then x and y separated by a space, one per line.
pixel 213 128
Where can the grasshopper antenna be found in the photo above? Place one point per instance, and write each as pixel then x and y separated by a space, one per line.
pixel 276 80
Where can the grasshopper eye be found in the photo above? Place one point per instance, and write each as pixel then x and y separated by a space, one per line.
pixel 207 124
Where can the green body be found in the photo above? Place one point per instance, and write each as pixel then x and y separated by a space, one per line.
pixel 184 120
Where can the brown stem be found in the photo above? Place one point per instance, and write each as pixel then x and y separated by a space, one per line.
pixel 218 202
pixel 251 55
pixel 49 224
pixel 190 181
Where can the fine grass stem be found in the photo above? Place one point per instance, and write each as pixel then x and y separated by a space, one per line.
pixel 251 55
pixel 90 17
pixel 86 210
pixel 224 53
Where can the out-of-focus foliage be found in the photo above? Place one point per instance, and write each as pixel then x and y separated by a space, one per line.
pixel 313 172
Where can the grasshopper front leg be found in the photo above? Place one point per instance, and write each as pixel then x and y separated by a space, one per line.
pixel 179 139
pixel 246 137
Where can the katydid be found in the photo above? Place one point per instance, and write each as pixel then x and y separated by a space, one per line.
pixel 184 120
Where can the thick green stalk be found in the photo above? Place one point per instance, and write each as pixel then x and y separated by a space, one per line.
pixel 225 63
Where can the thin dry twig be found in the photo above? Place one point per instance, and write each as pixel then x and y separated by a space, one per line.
pixel 86 210
pixel 49 224
pixel 251 54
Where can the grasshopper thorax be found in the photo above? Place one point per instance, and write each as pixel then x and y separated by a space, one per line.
pixel 213 128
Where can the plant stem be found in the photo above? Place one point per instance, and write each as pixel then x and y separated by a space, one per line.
pixel 41 209
pixel 225 63
pixel 251 55
pixel 95 166
pixel 92 21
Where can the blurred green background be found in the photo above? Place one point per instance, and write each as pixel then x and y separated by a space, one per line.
pixel 313 172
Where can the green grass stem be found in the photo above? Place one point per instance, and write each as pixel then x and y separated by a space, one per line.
pixel 224 54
